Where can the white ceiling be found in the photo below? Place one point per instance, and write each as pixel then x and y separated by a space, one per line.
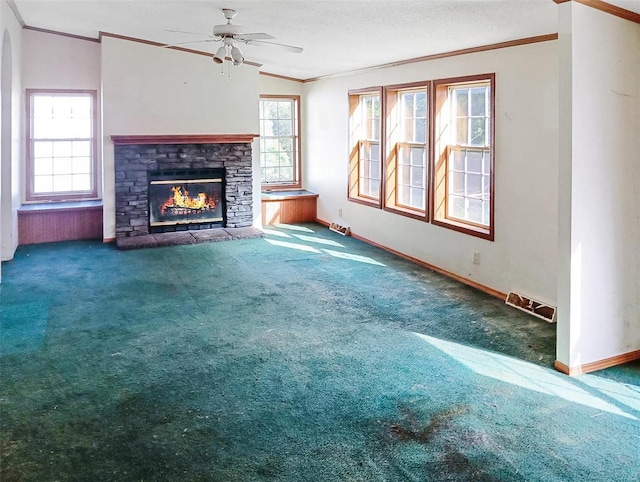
pixel 337 36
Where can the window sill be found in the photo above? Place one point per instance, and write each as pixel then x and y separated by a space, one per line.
pixel 281 187
pixel 421 216
pixel 288 194
pixel 484 233
pixel 59 206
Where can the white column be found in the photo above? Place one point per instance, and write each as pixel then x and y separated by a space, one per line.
pixel 599 186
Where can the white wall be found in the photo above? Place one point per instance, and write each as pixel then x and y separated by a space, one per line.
pixel 11 145
pixel 151 90
pixel 600 243
pixel 279 86
pixel 59 62
pixel 524 254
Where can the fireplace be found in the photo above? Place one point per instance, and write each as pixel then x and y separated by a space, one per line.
pixel 201 181
pixel 186 199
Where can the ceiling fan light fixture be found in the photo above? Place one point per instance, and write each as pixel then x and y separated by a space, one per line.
pixel 220 55
pixel 230 34
pixel 236 55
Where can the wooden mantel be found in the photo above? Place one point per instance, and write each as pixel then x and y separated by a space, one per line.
pixel 183 139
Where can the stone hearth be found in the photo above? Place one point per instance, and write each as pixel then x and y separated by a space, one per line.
pixel 188 237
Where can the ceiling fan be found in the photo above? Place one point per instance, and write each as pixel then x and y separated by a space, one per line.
pixel 230 35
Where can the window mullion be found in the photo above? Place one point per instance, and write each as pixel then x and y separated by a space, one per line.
pixel 469 129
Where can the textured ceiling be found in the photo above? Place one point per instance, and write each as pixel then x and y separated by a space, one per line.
pixel 337 36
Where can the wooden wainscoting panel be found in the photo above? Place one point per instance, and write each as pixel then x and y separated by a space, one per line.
pixel 289 209
pixel 60 224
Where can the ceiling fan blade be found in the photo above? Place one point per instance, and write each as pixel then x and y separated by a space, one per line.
pixel 290 48
pixel 191 42
pixel 184 31
pixel 254 36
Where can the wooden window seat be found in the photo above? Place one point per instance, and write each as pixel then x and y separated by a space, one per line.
pixel 289 207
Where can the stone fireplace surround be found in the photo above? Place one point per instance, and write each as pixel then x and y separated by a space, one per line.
pixel 136 155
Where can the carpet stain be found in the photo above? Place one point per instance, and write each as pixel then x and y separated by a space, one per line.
pixel 270 468
pixel 459 467
pixel 7 447
pixel 8 473
pixel 410 430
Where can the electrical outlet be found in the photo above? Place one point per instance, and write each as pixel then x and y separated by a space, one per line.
pixel 476 257
pixel 339 212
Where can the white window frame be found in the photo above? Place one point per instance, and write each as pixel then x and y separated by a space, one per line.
pixel 295 181
pixel 58 195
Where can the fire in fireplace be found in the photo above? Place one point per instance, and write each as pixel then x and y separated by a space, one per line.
pixel 186 199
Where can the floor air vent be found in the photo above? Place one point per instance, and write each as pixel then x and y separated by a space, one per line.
pixel 344 230
pixel 531 306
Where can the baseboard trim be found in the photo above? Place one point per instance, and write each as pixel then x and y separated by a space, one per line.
pixel 474 284
pixel 597 365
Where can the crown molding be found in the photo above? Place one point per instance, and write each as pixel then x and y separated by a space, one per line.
pixel 606 8
pixel 284 77
pixel 62 34
pixel 453 53
pixel 143 41
pixel 159 44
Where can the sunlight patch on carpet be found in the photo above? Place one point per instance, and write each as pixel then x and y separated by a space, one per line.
pixel 273 232
pixel 314 239
pixel 286 244
pixel 542 380
pixel 292 227
pixel 352 257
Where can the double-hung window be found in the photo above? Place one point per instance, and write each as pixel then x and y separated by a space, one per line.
pixel 365 172
pixel 465 153
pixel 280 142
pixel 407 167
pixel 61 159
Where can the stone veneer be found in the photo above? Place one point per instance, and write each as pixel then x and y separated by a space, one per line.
pixel 133 161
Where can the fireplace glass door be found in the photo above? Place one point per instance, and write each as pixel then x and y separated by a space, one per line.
pixel 186 199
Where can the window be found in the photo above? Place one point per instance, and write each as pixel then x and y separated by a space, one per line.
pixel 464 153
pixel 426 150
pixel 61 147
pixel 407 142
pixel 365 172
pixel 280 142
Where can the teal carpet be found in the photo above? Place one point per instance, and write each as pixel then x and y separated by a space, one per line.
pixel 303 356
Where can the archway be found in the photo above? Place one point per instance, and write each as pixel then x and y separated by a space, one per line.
pixel 6 193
